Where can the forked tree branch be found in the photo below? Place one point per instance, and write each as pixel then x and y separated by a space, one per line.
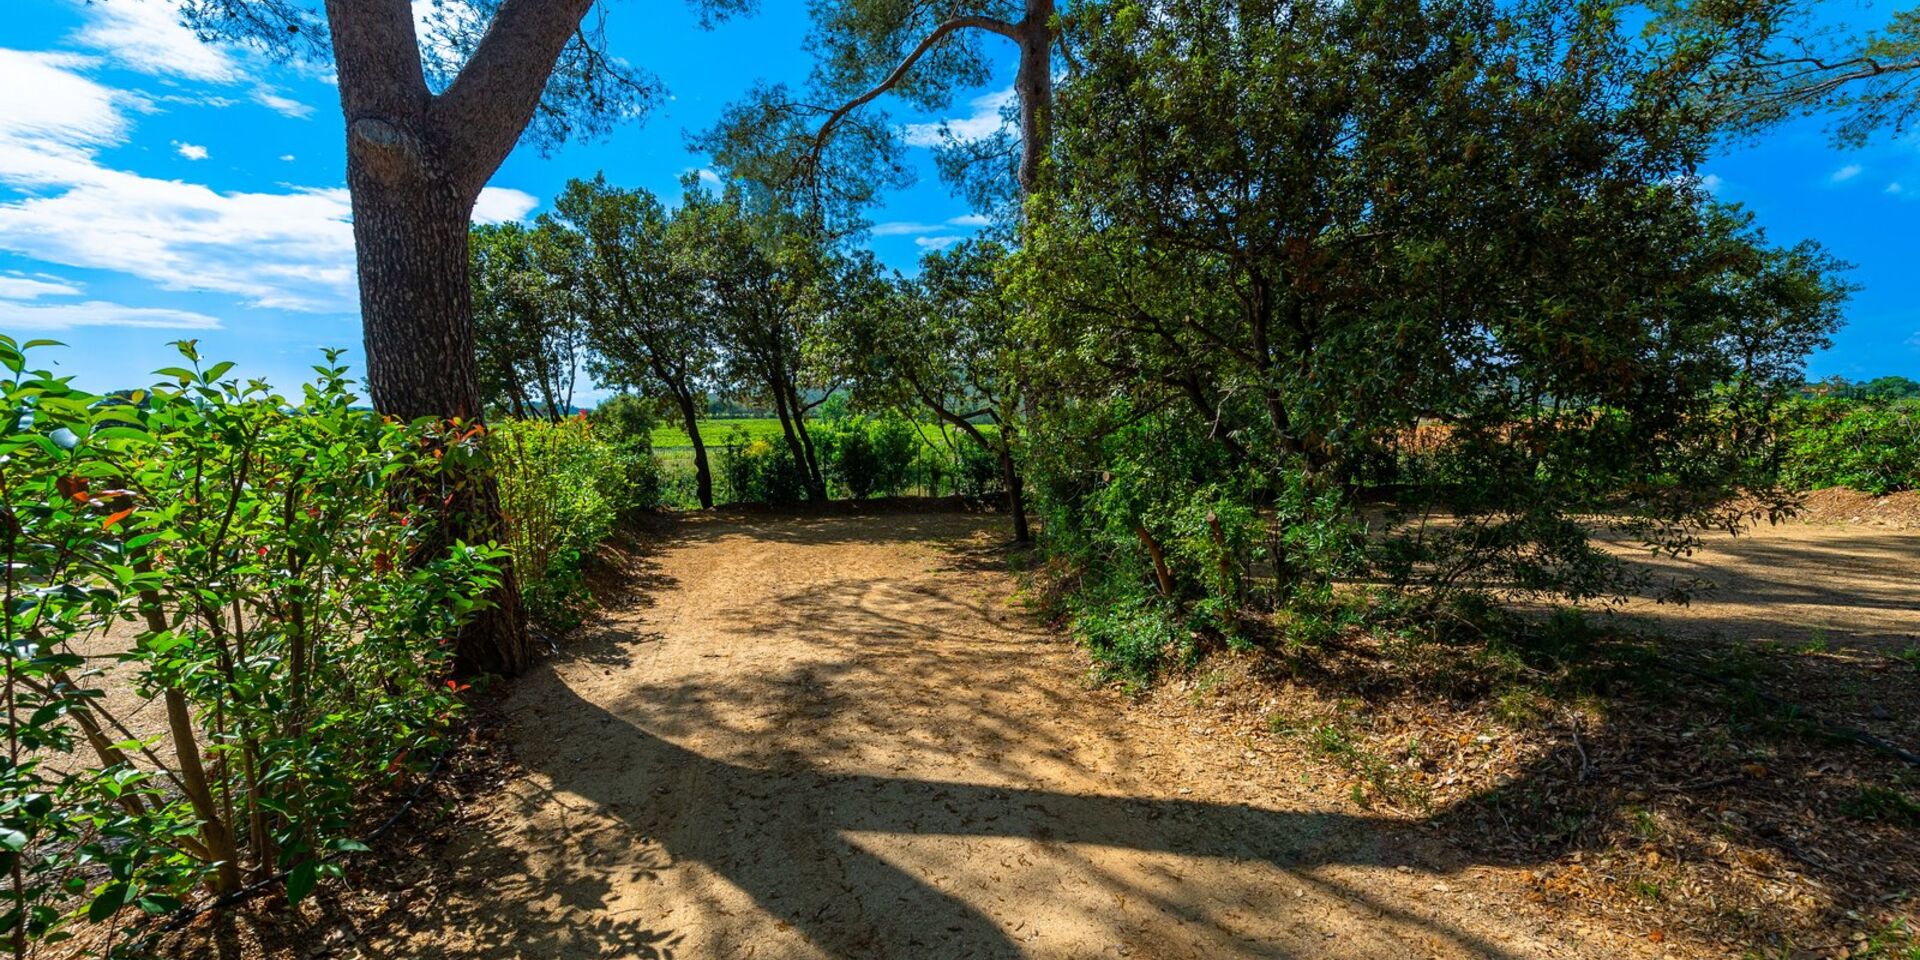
pixel 990 24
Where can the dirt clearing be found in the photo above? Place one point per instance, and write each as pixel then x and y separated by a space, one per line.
pixel 836 737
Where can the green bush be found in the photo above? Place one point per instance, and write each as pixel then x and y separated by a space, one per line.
pixel 758 470
pixel 870 455
pixel 564 487
pixel 976 470
pixel 1864 444
pixel 269 573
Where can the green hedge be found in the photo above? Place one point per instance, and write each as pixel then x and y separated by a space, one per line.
pixel 1864 444
pixel 564 487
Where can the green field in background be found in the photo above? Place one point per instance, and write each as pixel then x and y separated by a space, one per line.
pixel 714 432
pixel 667 436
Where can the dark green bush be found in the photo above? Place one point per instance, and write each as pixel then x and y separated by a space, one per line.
pixel 1864 444
pixel 869 455
pixel 759 471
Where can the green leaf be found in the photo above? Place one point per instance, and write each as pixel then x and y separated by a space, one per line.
pixel 108 901
pixel 301 880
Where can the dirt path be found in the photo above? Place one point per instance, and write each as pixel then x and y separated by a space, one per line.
pixel 838 738
pixel 1843 586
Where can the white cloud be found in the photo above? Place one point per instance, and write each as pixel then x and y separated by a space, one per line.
pixel 17 317
pixel 707 176
pixel 52 118
pixel 983 122
pixel 192 151
pixel 19 286
pixel 291 250
pixel 500 204
pixel 1896 188
pixel 288 157
pixel 284 106
pixel 981 220
pixel 1846 173
pixel 936 243
pixel 147 35
pixel 901 228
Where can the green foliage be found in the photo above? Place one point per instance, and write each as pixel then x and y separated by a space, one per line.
pixel 563 488
pixel 268 570
pixel 755 470
pixel 870 455
pixel 1867 445
pixel 530 311
pixel 1424 294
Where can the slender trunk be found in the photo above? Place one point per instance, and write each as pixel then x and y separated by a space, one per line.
pixel 816 478
pixel 702 473
pixel 410 237
pixel 1033 84
pixel 215 834
pixel 1162 577
pixel 789 426
pixel 1016 489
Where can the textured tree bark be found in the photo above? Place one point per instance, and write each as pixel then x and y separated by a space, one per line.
pixel 1033 84
pixel 1016 490
pixel 702 473
pixel 415 164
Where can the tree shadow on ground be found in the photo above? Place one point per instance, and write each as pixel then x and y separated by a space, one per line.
pixel 737 804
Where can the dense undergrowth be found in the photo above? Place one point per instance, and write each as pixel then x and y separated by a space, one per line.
pixel 1865 444
pixel 227 633
pixel 863 456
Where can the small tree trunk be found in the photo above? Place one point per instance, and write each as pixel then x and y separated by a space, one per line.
pixel 702 473
pixel 410 236
pixel 1162 577
pixel 1033 84
pixel 816 478
pixel 1016 490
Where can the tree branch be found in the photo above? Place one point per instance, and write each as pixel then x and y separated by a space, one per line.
pixel 489 104
pixel 990 24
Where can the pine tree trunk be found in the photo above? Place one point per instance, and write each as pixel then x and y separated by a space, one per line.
pixel 410 236
pixel 1033 85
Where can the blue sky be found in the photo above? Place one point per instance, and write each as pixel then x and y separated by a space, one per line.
pixel 153 187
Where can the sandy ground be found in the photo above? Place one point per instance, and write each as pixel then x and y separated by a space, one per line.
pixel 1844 586
pixel 837 737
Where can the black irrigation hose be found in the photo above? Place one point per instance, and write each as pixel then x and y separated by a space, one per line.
pixel 188 914
pixel 1853 734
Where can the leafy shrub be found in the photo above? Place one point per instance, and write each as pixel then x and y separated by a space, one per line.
pixel 976 470
pixel 870 455
pixel 563 487
pixel 1863 444
pixel 268 571
pixel 759 471
pixel 624 424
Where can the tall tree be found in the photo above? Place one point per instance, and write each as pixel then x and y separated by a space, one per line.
pixel 1309 232
pixel 767 278
pixel 947 341
pixel 426 127
pixel 651 331
pixel 834 148
pixel 529 314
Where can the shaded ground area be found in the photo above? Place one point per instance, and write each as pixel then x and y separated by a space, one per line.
pixel 834 737
pixel 1799 584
